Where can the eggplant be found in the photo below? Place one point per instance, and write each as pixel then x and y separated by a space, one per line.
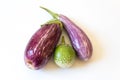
pixel 64 55
pixel 41 45
pixel 79 40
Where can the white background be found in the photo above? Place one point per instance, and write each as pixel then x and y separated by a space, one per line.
pixel 100 19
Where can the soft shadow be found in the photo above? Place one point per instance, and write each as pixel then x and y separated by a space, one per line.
pixel 50 66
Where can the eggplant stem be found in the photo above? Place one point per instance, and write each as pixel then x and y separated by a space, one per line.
pixel 54 15
pixel 63 40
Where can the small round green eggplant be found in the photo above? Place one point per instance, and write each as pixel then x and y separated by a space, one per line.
pixel 64 55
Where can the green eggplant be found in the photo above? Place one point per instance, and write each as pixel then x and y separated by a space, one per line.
pixel 64 55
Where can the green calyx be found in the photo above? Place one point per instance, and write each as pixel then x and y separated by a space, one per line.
pixel 62 42
pixel 54 21
pixel 55 18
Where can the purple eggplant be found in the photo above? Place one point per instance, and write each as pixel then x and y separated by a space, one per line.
pixel 41 46
pixel 78 38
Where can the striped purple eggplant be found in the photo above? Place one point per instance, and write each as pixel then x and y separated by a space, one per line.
pixel 41 46
pixel 78 38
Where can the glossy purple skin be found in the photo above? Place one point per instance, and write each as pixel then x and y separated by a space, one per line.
pixel 79 39
pixel 41 46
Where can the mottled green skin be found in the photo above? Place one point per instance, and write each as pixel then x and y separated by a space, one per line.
pixel 64 55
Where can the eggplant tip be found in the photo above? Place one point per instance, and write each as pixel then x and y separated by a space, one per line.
pixel 30 64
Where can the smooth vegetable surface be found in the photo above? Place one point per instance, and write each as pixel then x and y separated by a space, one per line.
pixel 78 37
pixel 41 46
pixel 64 55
